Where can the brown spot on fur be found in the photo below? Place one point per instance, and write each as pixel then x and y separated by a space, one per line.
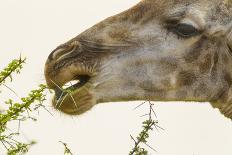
pixel 186 78
pixel 165 66
pixel 201 90
pixel 168 64
pixel 206 65
pixel 120 34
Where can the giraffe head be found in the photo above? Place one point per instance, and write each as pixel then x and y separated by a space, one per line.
pixel 160 50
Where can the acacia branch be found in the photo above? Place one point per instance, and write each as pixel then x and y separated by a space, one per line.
pixel 144 134
pixel 13 66
pixel 15 111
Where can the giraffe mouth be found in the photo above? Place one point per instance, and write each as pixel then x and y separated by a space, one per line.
pixel 72 81
pixel 74 97
pixel 71 86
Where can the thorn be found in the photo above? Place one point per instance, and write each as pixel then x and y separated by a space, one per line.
pixel 139 105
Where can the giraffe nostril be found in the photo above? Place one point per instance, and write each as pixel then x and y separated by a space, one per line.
pixel 64 50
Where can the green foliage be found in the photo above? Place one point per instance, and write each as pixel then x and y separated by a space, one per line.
pixel 16 110
pixel 148 125
pixel 14 66
pixel 21 148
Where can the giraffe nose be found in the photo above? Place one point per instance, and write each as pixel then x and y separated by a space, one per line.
pixel 64 51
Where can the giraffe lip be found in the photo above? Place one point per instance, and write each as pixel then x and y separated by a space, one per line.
pixel 80 81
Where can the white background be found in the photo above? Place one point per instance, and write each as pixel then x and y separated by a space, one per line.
pixel 34 29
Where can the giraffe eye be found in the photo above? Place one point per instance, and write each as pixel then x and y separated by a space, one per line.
pixel 185 30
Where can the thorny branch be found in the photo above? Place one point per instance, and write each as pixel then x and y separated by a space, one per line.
pixel 14 66
pixel 148 125
pixel 15 111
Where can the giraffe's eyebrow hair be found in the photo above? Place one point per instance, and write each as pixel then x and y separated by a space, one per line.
pixel 176 14
pixel 186 14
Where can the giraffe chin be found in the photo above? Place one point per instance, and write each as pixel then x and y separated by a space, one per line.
pixel 75 103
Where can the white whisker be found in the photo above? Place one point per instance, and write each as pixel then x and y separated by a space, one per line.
pixel 62 101
pixel 73 101
pixel 55 84
pixel 59 99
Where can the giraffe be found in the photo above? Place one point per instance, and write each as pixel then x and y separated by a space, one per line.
pixel 158 50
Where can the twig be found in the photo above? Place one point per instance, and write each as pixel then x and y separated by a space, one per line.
pixel 14 66
pixel 144 134
pixel 67 151
pixel 17 111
